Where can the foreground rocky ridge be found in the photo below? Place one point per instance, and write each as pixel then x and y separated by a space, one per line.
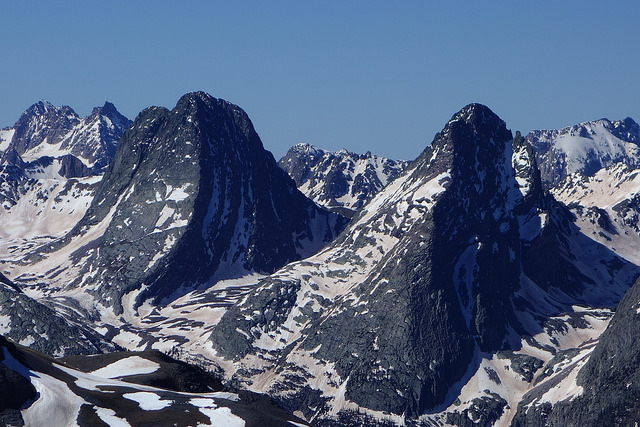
pixel 143 388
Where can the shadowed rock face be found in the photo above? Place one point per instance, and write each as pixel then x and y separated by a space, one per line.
pixel 15 391
pixel 193 197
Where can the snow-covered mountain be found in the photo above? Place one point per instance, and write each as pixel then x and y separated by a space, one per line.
pixel 52 131
pixel 340 181
pixel 50 163
pixel 444 296
pixel 586 148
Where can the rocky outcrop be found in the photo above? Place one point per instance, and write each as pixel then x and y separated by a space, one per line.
pixel 16 391
pixel 26 321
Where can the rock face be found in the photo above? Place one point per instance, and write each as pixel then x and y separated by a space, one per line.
pixel 192 197
pixel 585 148
pixel 16 390
pixel 340 181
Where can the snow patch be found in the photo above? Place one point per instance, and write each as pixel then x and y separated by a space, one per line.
pixel 132 365
pixel 148 401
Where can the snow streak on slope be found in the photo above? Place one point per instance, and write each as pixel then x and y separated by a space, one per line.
pixel 47 207
pixel 5 138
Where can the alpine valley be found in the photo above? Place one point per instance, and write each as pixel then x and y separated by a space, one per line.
pixel 169 271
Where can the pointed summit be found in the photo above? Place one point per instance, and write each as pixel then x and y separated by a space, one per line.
pixel 95 139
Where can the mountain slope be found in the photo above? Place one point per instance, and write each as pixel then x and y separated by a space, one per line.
pixel 191 198
pixel 50 162
pixel 341 181
pixel 31 323
pixel 607 385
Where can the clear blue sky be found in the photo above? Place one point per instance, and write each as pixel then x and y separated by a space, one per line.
pixel 383 76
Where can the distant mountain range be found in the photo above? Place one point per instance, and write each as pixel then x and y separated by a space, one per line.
pixel 488 282
pixel 339 181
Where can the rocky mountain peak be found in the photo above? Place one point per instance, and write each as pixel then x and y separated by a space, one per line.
pixel 42 122
pixel 340 181
pixel 48 130
pixel 95 139
pixel 192 197
pixel 474 124
pixel 107 109
pixel 627 129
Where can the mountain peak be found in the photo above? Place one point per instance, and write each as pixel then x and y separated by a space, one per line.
pixel 477 114
pixel 107 109
pixel 585 148
pixel 46 108
pixel 40 107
